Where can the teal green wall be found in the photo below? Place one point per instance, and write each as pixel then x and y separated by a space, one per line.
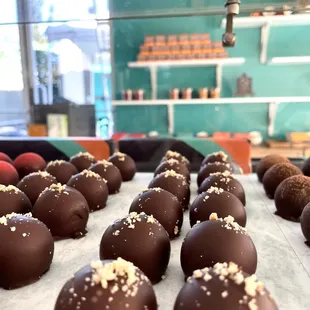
pixel 267 80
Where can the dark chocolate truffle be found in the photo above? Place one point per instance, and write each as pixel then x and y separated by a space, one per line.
pixel 63 210
pixel 175 155
pixel 306 167
pixel 110 173
pixel 140 239
pixel 267 162
pixel 216 200
pixel 291 196
pixel 112 285
pixel 206 170
pixel 224 287
pixel 82 160
pixel 29 248
pixel 125 164
pixel 62 170
pixel 5 157
pixel 13 200
pixel 216 241
pixel 226 181
pixel 174 183
pixel 29 162
pixel 173 164
pixel 35 183
pixel 305 222
pixel 93 187
pixel 220 157
pixel 276 174
pixel 8 174
pixel 164 206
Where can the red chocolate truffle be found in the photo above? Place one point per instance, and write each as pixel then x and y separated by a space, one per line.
pixel 217 240
pixel 82 161
pixel 125 164
pixel 112 285
pixel 267 162
pixel 173 164
pixel 5 157
pixel 29 248
pixel 225 287
pixel 306 167
pixel 63 210
pixel 220 157
pixel 276 174
pixel 13 200
pixel 291 196
pixel 35 183
pixel 206 170
pixel 226 181
pixel 174 183
pixel 164 206
pixel 110 173
pixel 93 187
pixel 62 170
pixel 29 162
pixel 175 155
pixel 216 200
pixel 140 239
pixel 305 223
pixel 8 174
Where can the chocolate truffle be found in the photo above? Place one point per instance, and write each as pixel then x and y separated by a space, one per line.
pixel 5 157
pixel 140 239
pixel 216 200
pixel 276 174
pixel 267 162
pixel 226 181
pixel 29 162
pixel 206 170
pixel 82 160
pixel 217 240
pixel 305 223
pixel 174 183
pixel 291 196
pixel 225 287
pixel 13 200
pixel 35 183
pixel 125 164
pixel 29 248
pixel 93 187
pixel 220 157
pixel 175 155
pixel 173 164
pixel 110 173
pixel 63 210
pixel 164 206
pixel 62 170
pixel 306 167
pixel 112 285
pixel 8 174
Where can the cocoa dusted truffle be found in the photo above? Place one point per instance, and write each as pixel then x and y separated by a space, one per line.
pixel 305 223
pixel 226 287
pixel 175 155
pixel 164 206
pixel 82 160
pixel 112 285
pixel 267 162
pixel 174 183
pixel 220 157
pixel 29 162
pixel 223 240
pixel 206 170
pixel 5 157
pixel 226 181
pixel 110 173
pixel 93 187
pixel 140 239
pixel 306 167
pixel 173 164
pixel 13 200
pixel 62 170
pixel 63 210
pixel 125 164
pixel 35 183
pixel 8 174
pixel 276 174
pixel 29 248
pixel 291 196
pixel 216 200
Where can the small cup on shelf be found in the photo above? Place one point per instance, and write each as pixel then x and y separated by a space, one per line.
pixel 203 93
pixel 138 94
pixel 187 93
pixel 174 94
pixel 127 94
pixel 215 92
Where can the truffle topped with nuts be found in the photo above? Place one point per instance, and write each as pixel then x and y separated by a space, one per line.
pixel 82 160
pixel 175 155
pixel 125 164
pixel 62 170
pixel 224 286
pixel 173 164
pixel 216 157
pixel 112 285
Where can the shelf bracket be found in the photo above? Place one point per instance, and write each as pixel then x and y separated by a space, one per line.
pixel 264 42
pixel 272 111
pixel 153 74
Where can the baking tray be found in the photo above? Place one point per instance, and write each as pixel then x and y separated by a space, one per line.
pixel 283 258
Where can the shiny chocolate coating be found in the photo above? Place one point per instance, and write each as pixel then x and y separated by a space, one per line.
pixel 61 170
pixel 173 164
pixel 29 162
pixel 125 164
pixel 206 170
pixel 82 161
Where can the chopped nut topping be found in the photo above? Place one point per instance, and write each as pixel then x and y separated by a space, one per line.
pixel 4 219
pixel 105 163
pixel 9 188
pixel 55 163
pixel 84 154
pixel 43 174
pixel 215 190
pixel 172 173
pixel 91 174
pixel 213 217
